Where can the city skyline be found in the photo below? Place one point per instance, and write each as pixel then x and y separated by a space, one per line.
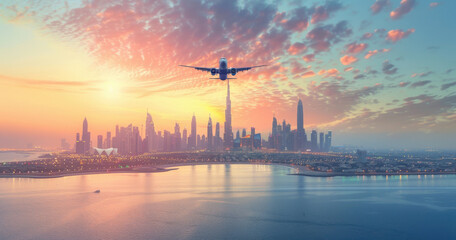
pixel 379 73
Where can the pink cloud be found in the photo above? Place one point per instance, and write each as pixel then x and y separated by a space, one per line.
pixel 374 52
pixel 297 48
pixel 405 7
pixel 434 4
pixel 367 36
pixel 379 5
pixel 348 69
pixel 347 60
pixel 309 57
pixel 308 74
pixel 354 48
pixel 397 34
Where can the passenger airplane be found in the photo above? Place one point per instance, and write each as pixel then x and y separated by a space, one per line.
pixel 223 70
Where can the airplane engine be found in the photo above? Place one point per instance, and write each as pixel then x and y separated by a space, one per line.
pixel 233 71
pixel 213 71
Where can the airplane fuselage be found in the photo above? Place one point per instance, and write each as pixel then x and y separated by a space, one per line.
pixel 223 69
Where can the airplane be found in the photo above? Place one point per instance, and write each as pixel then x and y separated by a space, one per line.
pixel 223 69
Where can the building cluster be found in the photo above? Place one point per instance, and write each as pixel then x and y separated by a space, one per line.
pixel 128 140
pixel 283 138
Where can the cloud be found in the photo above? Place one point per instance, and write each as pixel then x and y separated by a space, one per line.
pixel 309 57
pixel 297 48
pixel 354 48
pixel 405 7
pixel 419 83
pixel 425 74
pixel 367 36
pixel 379 5
pixel 322 37
pixel 397 34
pixel 347 60
pixel 433 4
pixel 403 84
pixel 359 76
pixel 447 85
pixel 322 13
pixel 348 69
pixel 374 52
pixel 388 68
pixel 296 67
pixel 308 74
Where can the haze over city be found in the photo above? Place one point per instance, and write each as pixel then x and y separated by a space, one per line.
pixel 378 74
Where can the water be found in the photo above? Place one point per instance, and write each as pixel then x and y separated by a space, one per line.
pixel 228 202
pixel 20 156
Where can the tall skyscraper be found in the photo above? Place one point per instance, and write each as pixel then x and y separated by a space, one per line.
pixel 314 141
pixel 150 133
pixel 301 134
pixel 184 139
pixel 192 142
pixel 86 136
pixel 100 141
pixel 228 138
pixel 328 139
pixel 322 142
pixel 217 140
pixel 209 134
pixel 108 140
pixel 177 138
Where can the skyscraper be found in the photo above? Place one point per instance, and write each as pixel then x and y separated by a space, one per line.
pixel 209 134
pixel 301 134
pixel 328 138
pixel 217 139
pixel 150 133
pixel 184 139
pixel 314 141
pixel 176 142
pixel 192 142
pixel 100 141
pixel 108 140
pixel 86 136
pixel 228 128
pixel 322 142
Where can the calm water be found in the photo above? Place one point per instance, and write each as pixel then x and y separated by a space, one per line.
pixel 20 156
pixel 228 202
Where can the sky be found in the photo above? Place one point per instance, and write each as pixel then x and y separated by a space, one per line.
pixel 379 74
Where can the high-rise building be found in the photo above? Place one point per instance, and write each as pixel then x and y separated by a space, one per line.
pixel 100 141
pixel 314 141
pixel 176 138
pixel 301 137
pixel 192 141
pixel 228 138
pixel 244 132
pixel 86 136
pixel 150 133
pixel 209 134
pixel 322 142
pixel 108 140
pixel 217 139
pixel 184 139
pixel 328 138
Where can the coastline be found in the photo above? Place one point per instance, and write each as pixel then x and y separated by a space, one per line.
pixel 301 171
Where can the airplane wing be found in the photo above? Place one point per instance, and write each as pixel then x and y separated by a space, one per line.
pixel 198 68
pixel 248 68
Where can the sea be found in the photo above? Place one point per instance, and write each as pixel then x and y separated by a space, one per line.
pixel 19 156
pixel 228 201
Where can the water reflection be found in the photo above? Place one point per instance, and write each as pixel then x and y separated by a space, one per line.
pixel 227 201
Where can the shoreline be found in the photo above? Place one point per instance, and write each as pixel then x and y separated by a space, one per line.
pixel 302 171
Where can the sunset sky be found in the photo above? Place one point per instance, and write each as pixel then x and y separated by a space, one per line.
pixel 377 73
